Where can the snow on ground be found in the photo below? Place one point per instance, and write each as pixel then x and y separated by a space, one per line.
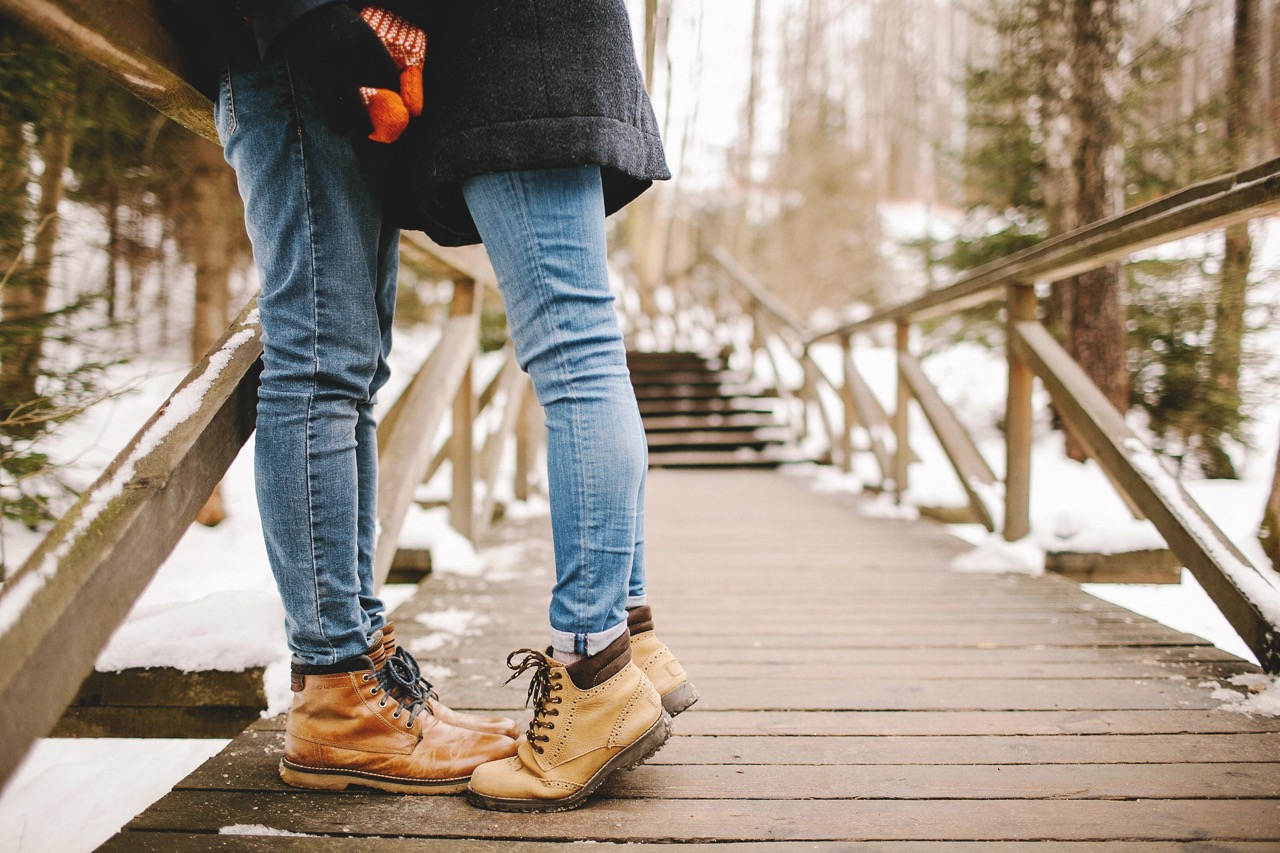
pixel 70 796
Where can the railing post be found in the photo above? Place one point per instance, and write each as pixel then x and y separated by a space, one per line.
pixel 901 450
pixel 462 453
pixel 528 433
pixel 847 403
pixel 1018 420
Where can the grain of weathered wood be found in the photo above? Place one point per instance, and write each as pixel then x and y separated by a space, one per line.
pixel 249 764
pixel 801 602
pixel 730 820
pixel 170 842
pixel 968 723
pixel 1247 600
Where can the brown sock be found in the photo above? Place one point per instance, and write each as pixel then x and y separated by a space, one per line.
pixel 639 619
pixel 596 669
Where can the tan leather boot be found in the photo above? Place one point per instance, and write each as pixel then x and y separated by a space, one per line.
pixel 475 722
pixel 656 661
pixel 589 719
pixel 346 727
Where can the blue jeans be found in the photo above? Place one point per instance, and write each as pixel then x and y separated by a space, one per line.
pixel 545 234
pixel 327 264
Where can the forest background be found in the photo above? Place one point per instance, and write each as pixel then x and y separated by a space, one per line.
pixel 794 128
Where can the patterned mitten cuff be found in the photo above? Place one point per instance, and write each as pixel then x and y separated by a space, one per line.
pixel 390 111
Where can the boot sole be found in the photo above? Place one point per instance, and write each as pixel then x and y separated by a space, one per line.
pixel 680 698
pixel 334 779
pixel 631 757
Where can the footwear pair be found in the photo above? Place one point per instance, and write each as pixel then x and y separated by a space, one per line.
pixel 373 720
pixel 606 712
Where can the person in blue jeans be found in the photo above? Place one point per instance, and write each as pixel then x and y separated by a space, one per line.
pixel 536 127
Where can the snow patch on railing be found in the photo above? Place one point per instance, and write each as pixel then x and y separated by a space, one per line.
pixel 17 594
pixel 1244 576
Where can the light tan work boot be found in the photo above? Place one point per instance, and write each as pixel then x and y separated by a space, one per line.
pixel 656 661
pixel 475 722
pixel 347 728
pixel 589 719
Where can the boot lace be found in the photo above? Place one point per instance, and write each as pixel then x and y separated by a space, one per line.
pixel 414 681
pixel 398 680
pixel 542 686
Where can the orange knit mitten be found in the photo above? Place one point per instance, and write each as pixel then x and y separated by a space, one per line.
pixel 390 111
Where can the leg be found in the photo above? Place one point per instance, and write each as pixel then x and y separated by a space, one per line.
pixel 545 234
pixel 327 267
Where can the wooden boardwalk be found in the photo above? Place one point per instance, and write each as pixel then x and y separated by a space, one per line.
pixel 856 695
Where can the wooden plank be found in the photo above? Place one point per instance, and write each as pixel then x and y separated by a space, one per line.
pixel 960 782
pixel 203 721
pixel 971 469
pixel 404 444
pixel 969 723
pixel 1246 599
pixel 250 762
pixel 123 39
pixel 867 412
pixel 743 820
pixel 1019 419
pixel 80 582
pixel 514 383
pixel 173 842
pixel 1156 565
pixel 467 298
pixel 1211 204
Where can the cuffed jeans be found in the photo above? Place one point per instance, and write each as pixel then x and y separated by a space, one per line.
pixel 545 233
pixel 327 264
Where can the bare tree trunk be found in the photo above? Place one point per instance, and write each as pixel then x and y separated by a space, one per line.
pixel 1269 533
pixel 1058 181
pixel 1096 336
pixel 26 297
pixel 1233 280
pixel 211 236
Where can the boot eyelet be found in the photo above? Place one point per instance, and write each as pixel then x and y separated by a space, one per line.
pixel 383 703
pixel 409 725
pixel 395 715
pixel 367 677
pixel 551 725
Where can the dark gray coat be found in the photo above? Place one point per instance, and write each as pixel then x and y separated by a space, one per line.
pixel 525 84
pixel 509 85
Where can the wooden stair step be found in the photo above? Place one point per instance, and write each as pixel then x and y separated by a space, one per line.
pixel 718 438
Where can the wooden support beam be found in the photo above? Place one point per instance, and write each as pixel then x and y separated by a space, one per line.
pixel 1246 599
pixel 972 470
pixel 405 440
pixel 462 451
pixel 528 443
pixel 80 582
pixel 1018 420
pixel 868 412
pixel 513 385
pixel 901 416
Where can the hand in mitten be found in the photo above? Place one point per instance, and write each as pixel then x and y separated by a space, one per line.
pixel 389 110
pixel 335 51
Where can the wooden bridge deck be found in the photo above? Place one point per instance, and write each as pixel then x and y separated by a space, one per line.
pixel 854 689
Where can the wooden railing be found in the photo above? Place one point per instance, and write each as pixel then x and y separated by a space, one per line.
pixel 1246 598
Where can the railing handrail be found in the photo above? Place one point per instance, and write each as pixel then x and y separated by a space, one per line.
pixel 1214 203
pixel 1250 603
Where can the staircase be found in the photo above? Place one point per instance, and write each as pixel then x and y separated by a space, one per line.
pixel 699 414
